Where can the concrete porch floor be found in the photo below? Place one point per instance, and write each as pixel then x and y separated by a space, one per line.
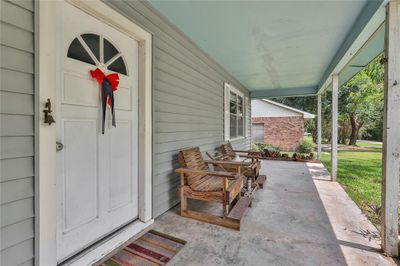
pixel 299 218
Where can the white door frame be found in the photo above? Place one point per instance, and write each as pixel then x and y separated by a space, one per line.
pixel 45 135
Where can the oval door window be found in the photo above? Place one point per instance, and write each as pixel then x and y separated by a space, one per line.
pixel 87 48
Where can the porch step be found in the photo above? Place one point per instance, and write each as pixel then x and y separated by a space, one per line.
pixel 239 209
pixel 261 180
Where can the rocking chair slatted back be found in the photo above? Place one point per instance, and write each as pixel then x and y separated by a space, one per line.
pixel 227 150
pixel 192 159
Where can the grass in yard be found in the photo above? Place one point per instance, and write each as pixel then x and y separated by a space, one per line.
pixel 359 172
pixel 361 143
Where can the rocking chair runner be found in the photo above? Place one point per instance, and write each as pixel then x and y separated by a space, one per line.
pixel 198 182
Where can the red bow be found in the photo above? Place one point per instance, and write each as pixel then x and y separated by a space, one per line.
pixel 112 78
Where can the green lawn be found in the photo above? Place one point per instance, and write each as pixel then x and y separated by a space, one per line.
pixel 361 143
pixel 359 172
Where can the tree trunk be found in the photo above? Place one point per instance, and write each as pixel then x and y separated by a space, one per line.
pixel 314 132
pixel 355 129
pixel 343 132
pixel 342 139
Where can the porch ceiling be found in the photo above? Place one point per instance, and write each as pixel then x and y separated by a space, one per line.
pixel 279 48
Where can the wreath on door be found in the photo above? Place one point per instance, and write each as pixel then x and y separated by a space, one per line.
pixel 96 50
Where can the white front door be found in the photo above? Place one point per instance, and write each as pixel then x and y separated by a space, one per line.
pixel 97 180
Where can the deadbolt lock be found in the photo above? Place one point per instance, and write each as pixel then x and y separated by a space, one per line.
pixel 59 146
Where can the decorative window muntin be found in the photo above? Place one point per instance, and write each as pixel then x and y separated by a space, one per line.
pixel 94 49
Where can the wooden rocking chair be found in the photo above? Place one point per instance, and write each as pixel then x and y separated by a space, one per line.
pixel 199 183
pixel 228 149
pixel 226 152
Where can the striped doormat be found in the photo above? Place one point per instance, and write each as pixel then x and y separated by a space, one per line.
pixel 153 248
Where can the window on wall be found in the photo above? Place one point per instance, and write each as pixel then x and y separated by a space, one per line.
pixel 234 113
pixel 257 133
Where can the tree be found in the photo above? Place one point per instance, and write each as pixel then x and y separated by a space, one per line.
pixel 307 104
pixel 361 99
pixel 360 106
pixel 344 128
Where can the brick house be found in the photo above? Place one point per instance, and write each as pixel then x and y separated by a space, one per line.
pixel 277 124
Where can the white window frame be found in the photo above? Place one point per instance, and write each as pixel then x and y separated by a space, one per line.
pixel 228 88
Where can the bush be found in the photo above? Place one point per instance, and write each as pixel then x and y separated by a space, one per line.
pixel 303 156
pixel 271 147
pixel 256 147
pixel 306 145
pixel 260 147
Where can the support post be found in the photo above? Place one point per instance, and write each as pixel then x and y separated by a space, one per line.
pixel 391 132
pixel 334 138
pixel 319 127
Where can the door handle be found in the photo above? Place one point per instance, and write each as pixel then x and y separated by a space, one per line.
pixel 59 146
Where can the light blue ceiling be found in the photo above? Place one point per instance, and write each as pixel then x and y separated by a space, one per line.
pixel 364 57
pixel 267 45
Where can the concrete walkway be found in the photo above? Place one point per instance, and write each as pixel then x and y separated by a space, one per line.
pixel 300 218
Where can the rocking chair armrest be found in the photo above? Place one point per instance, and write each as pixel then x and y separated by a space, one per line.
pixel 237 163
pixel 210 173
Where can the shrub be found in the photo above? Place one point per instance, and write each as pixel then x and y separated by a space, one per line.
pixel 271 147
pixel 260 147
pixel 306 145
pixel 256 147
pixel 303 156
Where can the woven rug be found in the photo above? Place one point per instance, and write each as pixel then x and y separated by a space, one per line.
pixel 153 248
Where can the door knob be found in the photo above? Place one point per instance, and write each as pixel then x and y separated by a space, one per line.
pixel 59 146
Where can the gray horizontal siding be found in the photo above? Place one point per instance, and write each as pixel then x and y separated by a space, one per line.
pixel 17 233
pixel 14 13
pixel 188 99
pixel 16 211
pixel 16 147
pixel 16 133
pixel 17 82
pixel 16 125
pixel 16 103
pixel 21 253
pixel 16 189
pixel 15 59
pixel 16 37
pixel 188 111
pixel 16 168
pixel 26 4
